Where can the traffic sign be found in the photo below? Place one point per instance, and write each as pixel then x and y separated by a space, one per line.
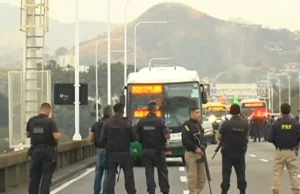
pixel 64 94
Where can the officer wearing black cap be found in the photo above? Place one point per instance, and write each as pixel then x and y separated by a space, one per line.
pixel 285 135
pixel 116 136
pixel 234 137
pixel 94 136
pixel 153 135
pixel 44 136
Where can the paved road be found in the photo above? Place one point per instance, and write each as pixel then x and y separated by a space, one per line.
pixel 259 175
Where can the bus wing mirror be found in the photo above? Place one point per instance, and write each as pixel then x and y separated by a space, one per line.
pixel 122 96
pixel 203 94
pixel 204 97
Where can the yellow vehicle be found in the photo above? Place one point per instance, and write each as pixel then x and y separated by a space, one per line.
pixel 215 111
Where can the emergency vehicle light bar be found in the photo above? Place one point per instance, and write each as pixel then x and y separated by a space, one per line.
pixel 144 113
pixel 146 89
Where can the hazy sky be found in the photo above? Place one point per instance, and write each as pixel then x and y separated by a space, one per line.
pixel 271 13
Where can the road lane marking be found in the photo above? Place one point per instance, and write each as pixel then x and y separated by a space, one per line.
pixel 183 179
pixel 252 155
pixel 68 183
pixel 185 192
pixel 263 160
pixel 181 169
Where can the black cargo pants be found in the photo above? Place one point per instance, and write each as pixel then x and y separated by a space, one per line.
pixel 257 131
pixel 41 169
pixel 156 158
pixel 125 161
pixel 238 162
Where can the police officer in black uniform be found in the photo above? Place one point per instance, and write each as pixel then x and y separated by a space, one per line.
pixel 153 135
pixel 234 137
pixel 116 136
pixel 44 136
pixel 101 166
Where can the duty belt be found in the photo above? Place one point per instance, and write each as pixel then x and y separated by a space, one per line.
pixel 43 146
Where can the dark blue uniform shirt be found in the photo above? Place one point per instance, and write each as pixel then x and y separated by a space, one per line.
pixel 285 133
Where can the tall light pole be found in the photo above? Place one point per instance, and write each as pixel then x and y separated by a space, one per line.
pixel 279 90
pixel 96 74
pixel 135 28
pixel 297 71
pixel 108 55
pixel 77 135
pixel 125 41
pixel 158 58
pixel 289 83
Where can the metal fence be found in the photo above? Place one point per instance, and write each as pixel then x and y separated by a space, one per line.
pixel 26 91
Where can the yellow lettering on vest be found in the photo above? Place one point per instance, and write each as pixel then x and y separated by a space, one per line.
pixel 286 127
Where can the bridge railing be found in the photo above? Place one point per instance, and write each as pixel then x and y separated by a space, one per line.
pixel 14 166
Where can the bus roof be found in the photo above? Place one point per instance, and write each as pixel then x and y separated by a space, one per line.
pixel 175 74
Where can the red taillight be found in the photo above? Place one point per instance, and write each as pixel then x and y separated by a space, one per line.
pixel 259 114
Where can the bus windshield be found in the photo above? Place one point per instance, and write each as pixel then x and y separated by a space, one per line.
pixel 178 98
pixel 174 100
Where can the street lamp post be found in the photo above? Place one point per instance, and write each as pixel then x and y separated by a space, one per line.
pixel 135 28
pixel 108 55
pixel 125 41
pixel 77 135
pixel 279 91
pixel 158 58
pixel 289 83
pixel 96 73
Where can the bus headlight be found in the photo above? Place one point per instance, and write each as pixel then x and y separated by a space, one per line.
pixel 212 118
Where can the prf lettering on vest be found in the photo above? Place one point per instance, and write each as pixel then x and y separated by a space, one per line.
pixel 286 127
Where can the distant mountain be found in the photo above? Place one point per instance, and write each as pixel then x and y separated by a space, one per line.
pixel 196 40
pixel 60 34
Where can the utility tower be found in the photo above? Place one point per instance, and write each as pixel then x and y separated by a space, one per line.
pixel 31 86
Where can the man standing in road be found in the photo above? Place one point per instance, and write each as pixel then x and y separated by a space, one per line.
pixel 234 137
pixel 285 135
pixel 94 136
pixel 194 151
pixel 116 136
pixel 153 135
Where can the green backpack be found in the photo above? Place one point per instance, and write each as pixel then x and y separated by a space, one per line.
pixel 136 149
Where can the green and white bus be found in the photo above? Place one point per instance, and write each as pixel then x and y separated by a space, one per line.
pixel 174 88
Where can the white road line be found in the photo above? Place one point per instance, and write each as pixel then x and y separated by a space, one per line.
pixel 181 169
pixel 66 184
pixel 185 192
pixel 263 160
pixel 252 155
pixel 298 175
pixel 183 179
